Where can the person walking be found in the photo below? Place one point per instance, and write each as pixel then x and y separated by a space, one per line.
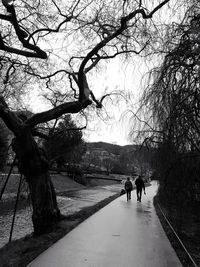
pixel 139 186
pixel 128 187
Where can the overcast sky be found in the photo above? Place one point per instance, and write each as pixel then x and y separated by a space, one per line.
pixel 127 76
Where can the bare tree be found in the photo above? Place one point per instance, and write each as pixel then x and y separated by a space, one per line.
pixel 30 33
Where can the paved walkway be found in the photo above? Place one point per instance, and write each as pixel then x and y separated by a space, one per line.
pixel 122 234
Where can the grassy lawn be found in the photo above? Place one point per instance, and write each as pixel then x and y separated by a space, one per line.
pixel 60 181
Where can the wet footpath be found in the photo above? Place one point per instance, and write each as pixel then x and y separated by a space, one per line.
pixel 122 234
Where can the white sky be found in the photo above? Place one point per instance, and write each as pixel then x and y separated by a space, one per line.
pixel 125 76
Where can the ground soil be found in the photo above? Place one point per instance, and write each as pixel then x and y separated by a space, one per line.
pixel 188 234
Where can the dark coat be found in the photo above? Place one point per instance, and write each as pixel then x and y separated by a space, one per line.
pixel 139 184
pixel 128 186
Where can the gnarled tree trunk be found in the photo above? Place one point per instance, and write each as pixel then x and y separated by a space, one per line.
pixel 34 166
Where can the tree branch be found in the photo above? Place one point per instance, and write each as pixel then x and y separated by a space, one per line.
pixel 123 26
pixel 39 134
pixel 70 107
pixel 5 17
pixel 21 34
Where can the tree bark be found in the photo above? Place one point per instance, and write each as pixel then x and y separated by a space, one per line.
pixel 33 164
pixel 45 209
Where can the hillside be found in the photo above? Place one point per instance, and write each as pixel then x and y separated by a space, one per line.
pixel 112 148
pixel 129 157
